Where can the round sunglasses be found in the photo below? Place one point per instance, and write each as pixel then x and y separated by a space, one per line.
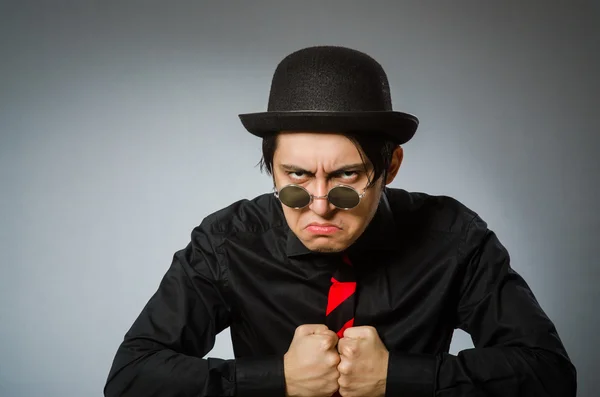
pixel 341 196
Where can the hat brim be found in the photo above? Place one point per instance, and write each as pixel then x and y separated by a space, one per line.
pixel 398 126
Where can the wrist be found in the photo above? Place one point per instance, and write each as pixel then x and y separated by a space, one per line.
pixel 383 374
pixel 286 377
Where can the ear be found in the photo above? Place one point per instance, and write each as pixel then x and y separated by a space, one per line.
pixel 395 164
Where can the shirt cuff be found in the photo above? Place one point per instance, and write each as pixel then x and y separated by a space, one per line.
pixel 262 377
pixel 410 374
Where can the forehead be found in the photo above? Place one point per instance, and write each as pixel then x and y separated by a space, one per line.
pixel 310 148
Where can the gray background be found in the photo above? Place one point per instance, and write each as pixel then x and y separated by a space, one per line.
pixel 119 133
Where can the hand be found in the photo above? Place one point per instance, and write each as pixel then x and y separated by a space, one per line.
pixel 364 363
pixel 310 364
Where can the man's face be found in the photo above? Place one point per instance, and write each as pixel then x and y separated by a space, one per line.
pixel 318 162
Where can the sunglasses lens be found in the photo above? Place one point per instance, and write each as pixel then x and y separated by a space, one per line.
pixel 344 197
pixel 294 196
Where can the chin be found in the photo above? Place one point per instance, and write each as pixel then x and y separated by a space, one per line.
pixel 326 246
pixel 327 250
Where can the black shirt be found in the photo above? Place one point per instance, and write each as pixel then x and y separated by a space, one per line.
pixel 426 266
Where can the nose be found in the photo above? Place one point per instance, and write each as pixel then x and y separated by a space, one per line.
pixel 320 204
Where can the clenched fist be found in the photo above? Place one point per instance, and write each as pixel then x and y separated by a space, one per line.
pixel 364 363
pixel 310 364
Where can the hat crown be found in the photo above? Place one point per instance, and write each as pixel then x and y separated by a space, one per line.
pixel 329 79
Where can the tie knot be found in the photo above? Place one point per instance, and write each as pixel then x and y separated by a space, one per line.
pixel 346 258
pixel 344 272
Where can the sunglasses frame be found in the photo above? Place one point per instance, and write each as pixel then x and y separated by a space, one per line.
pixel 312 196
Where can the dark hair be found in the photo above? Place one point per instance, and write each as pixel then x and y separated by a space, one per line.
pixel 377 149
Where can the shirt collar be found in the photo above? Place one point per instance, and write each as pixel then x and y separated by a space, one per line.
pixel 381 234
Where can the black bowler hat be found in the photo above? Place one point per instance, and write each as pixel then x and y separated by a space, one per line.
pixel 331 89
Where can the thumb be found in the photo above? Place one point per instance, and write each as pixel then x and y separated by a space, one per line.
pixel 311 329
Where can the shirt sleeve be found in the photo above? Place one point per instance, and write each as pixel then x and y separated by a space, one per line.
pixel 162 353
pixel 517 349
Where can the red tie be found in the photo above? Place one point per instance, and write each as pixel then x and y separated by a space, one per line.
pixel 340 303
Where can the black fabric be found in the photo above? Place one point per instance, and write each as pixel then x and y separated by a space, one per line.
pixel 331 88
pixel 425 266
pixel 331 79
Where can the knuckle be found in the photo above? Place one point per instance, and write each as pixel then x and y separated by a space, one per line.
pixel 344 368
pixel 332 360
pixel 331 339
pixel 335 375
pixel 336 359
pixel 307 329
pixel 325 343
pixel 331 388
pixel 349 350
pixel 344 381
pixel 329 385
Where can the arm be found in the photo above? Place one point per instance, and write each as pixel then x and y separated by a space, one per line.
pixel 161 355
pixel 517 349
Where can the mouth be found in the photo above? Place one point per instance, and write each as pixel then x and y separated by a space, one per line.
pixel 322 228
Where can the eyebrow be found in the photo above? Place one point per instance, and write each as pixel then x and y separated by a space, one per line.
pixel 347 167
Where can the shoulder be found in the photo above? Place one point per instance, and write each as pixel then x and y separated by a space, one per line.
pixel 420 217
pixel 256 215
pixel 433 212
pixel 205 252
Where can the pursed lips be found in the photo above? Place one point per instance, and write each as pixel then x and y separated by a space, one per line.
pixel 322 228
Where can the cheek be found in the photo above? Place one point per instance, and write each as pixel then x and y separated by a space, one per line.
pixel 291 216
pixel 356 221
pixel 363 214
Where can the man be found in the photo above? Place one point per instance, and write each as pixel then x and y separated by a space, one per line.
pixel 336 283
